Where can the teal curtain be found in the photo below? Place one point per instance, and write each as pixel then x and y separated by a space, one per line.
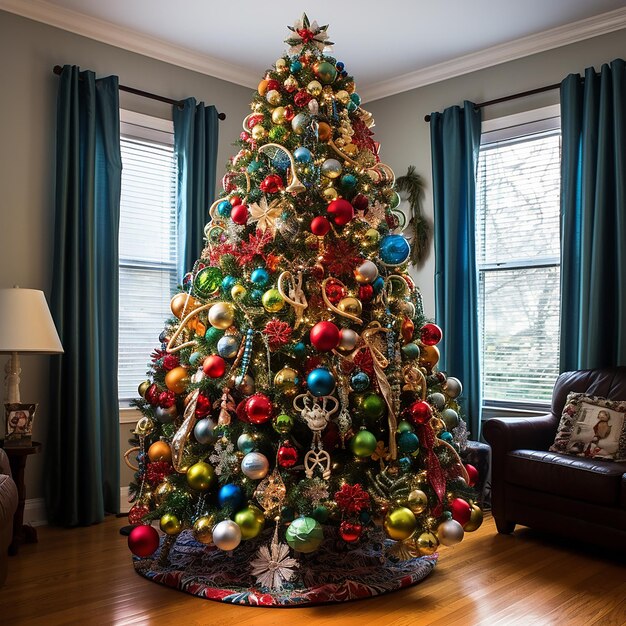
pixel 195 140
pixel 593 218
pixel 82 447
pixel 455 141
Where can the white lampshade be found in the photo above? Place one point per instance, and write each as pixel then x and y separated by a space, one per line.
pixel 26 324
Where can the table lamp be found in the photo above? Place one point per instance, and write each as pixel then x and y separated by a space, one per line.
pixel 25 326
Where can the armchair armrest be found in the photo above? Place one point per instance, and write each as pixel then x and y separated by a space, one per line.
pixel 534 433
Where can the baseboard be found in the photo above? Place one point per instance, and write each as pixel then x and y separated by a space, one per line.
pixel 35 512
pixel 124 505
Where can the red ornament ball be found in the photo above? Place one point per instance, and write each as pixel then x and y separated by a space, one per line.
pixel 320 226
pixel 350 531
pixel 235 201
pixel 273 84
pixel 240 411
pixel 335 291
pixel 136 513
pixel 271 184
pixel 259 408
pixel 287 456
pixel 420 412
pixel 214 366
pixel 366 293
pixel 167 399
pixel 239 214
pixel 472 473
pixel 324 336
pixel 430 334
pixel 360 202
pixel 461 511
pixel 341 210
pixel 143 541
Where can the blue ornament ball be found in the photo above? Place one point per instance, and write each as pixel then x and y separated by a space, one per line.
pixel 203 431
pixel 299 350
pixel 224 208
pixel 254 166
pixel 230 495
pixel 295 66
pixel 360 381
pixel 227 346
pixel 228 282
pixel 256 295
pixel 446 436
pixel 320 382
pixel 302 155
pixel 351 106
pixel 340 66
pixel 246 443
pixel 355 98
pixel 260 276
pixel 348 181
pixel 194 358
pixel 394 249
pixel 378 285
pixel 408 442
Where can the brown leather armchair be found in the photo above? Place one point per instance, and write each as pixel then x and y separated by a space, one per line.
pixel 575 497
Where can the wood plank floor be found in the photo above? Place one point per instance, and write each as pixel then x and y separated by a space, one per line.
pixel 85 576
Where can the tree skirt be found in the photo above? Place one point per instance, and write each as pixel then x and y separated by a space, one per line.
pixel 334 573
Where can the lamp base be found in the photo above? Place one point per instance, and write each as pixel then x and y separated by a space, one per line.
pixel 12 379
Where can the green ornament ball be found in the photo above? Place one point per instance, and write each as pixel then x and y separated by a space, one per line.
pixel 283 423
pixel 195 358
pixel 304 534
pixel 373 406
pixel 404 427
pixel 363 444
pixel 246 443
pixel 200 476
pixel 207 281
pixel 320 513
pixel 272 301
pixel 251 521
pixel 325 71
pixel 411 351
pixel 213 334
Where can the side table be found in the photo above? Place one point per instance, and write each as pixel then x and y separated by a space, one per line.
pixel 17 459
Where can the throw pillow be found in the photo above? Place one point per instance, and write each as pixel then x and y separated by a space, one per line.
pixel 592 427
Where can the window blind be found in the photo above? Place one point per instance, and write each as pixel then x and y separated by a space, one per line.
pixel 147 253
pixel 517 233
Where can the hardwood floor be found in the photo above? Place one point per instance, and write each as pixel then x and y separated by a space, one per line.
pixel 85 576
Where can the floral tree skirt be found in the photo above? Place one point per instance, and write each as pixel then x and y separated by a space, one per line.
pixel 333 573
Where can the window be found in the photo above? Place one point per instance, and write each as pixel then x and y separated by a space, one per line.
pixel 147 243
pixel 518 257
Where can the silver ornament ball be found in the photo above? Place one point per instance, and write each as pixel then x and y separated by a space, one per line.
pixel 227 535
pixel 166 415
pixel 203 431
pixel 453 387
pixel 450 532
pixel 255 465
pixel 366 273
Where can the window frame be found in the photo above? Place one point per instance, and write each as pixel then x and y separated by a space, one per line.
pixel 504 128
pixel 159 130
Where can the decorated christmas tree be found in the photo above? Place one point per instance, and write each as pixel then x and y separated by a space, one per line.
pixel 294 405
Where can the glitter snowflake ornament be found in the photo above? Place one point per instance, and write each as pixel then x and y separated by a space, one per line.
pixel 273 566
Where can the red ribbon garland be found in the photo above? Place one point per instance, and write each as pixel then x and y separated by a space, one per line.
pixel 436 476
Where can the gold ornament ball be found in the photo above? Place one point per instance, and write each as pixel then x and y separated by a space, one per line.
pixel 170 524
pixel 161 492
pixel 258 132
pixel 429 357
pixel 291 84
pixel 176 379
pixel 324 131
pixel 400 523
pixel 222 315
pixel 331 168
pixel 286 381
pixel 281 65
pixel 262 88
pixel 203 529
pixel 350 305
pixel 343 96
pixel 182 304
pixel 314 88
pixel 160 451
pixel 143 387
pixel 330 194
pixel 278 115
pixel 273 97
pixel 272 301
pixel 475 520
pixel 251 521
pixel 427 543
pixel 417 501
pixel 238 291
pixel 350 149
pixel 200 476
pixel 371 237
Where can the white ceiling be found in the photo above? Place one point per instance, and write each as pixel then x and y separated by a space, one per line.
pixel 388 46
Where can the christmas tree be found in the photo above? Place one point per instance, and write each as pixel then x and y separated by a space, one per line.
pixel 294 399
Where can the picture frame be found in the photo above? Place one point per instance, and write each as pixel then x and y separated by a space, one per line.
pixel 18 424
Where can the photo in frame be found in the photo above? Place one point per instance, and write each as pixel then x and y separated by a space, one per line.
pixel 19 424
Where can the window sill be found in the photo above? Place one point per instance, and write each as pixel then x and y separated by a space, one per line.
pixel 518 409
pixel 129 415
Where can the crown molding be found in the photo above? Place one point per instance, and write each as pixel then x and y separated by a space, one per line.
pixel 516 49
pixel 129 39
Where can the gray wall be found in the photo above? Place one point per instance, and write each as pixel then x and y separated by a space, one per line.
pixel 404 136
pixel 28 52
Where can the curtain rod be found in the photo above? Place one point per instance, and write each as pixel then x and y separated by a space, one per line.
pixel 146 94
pixel 515 96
